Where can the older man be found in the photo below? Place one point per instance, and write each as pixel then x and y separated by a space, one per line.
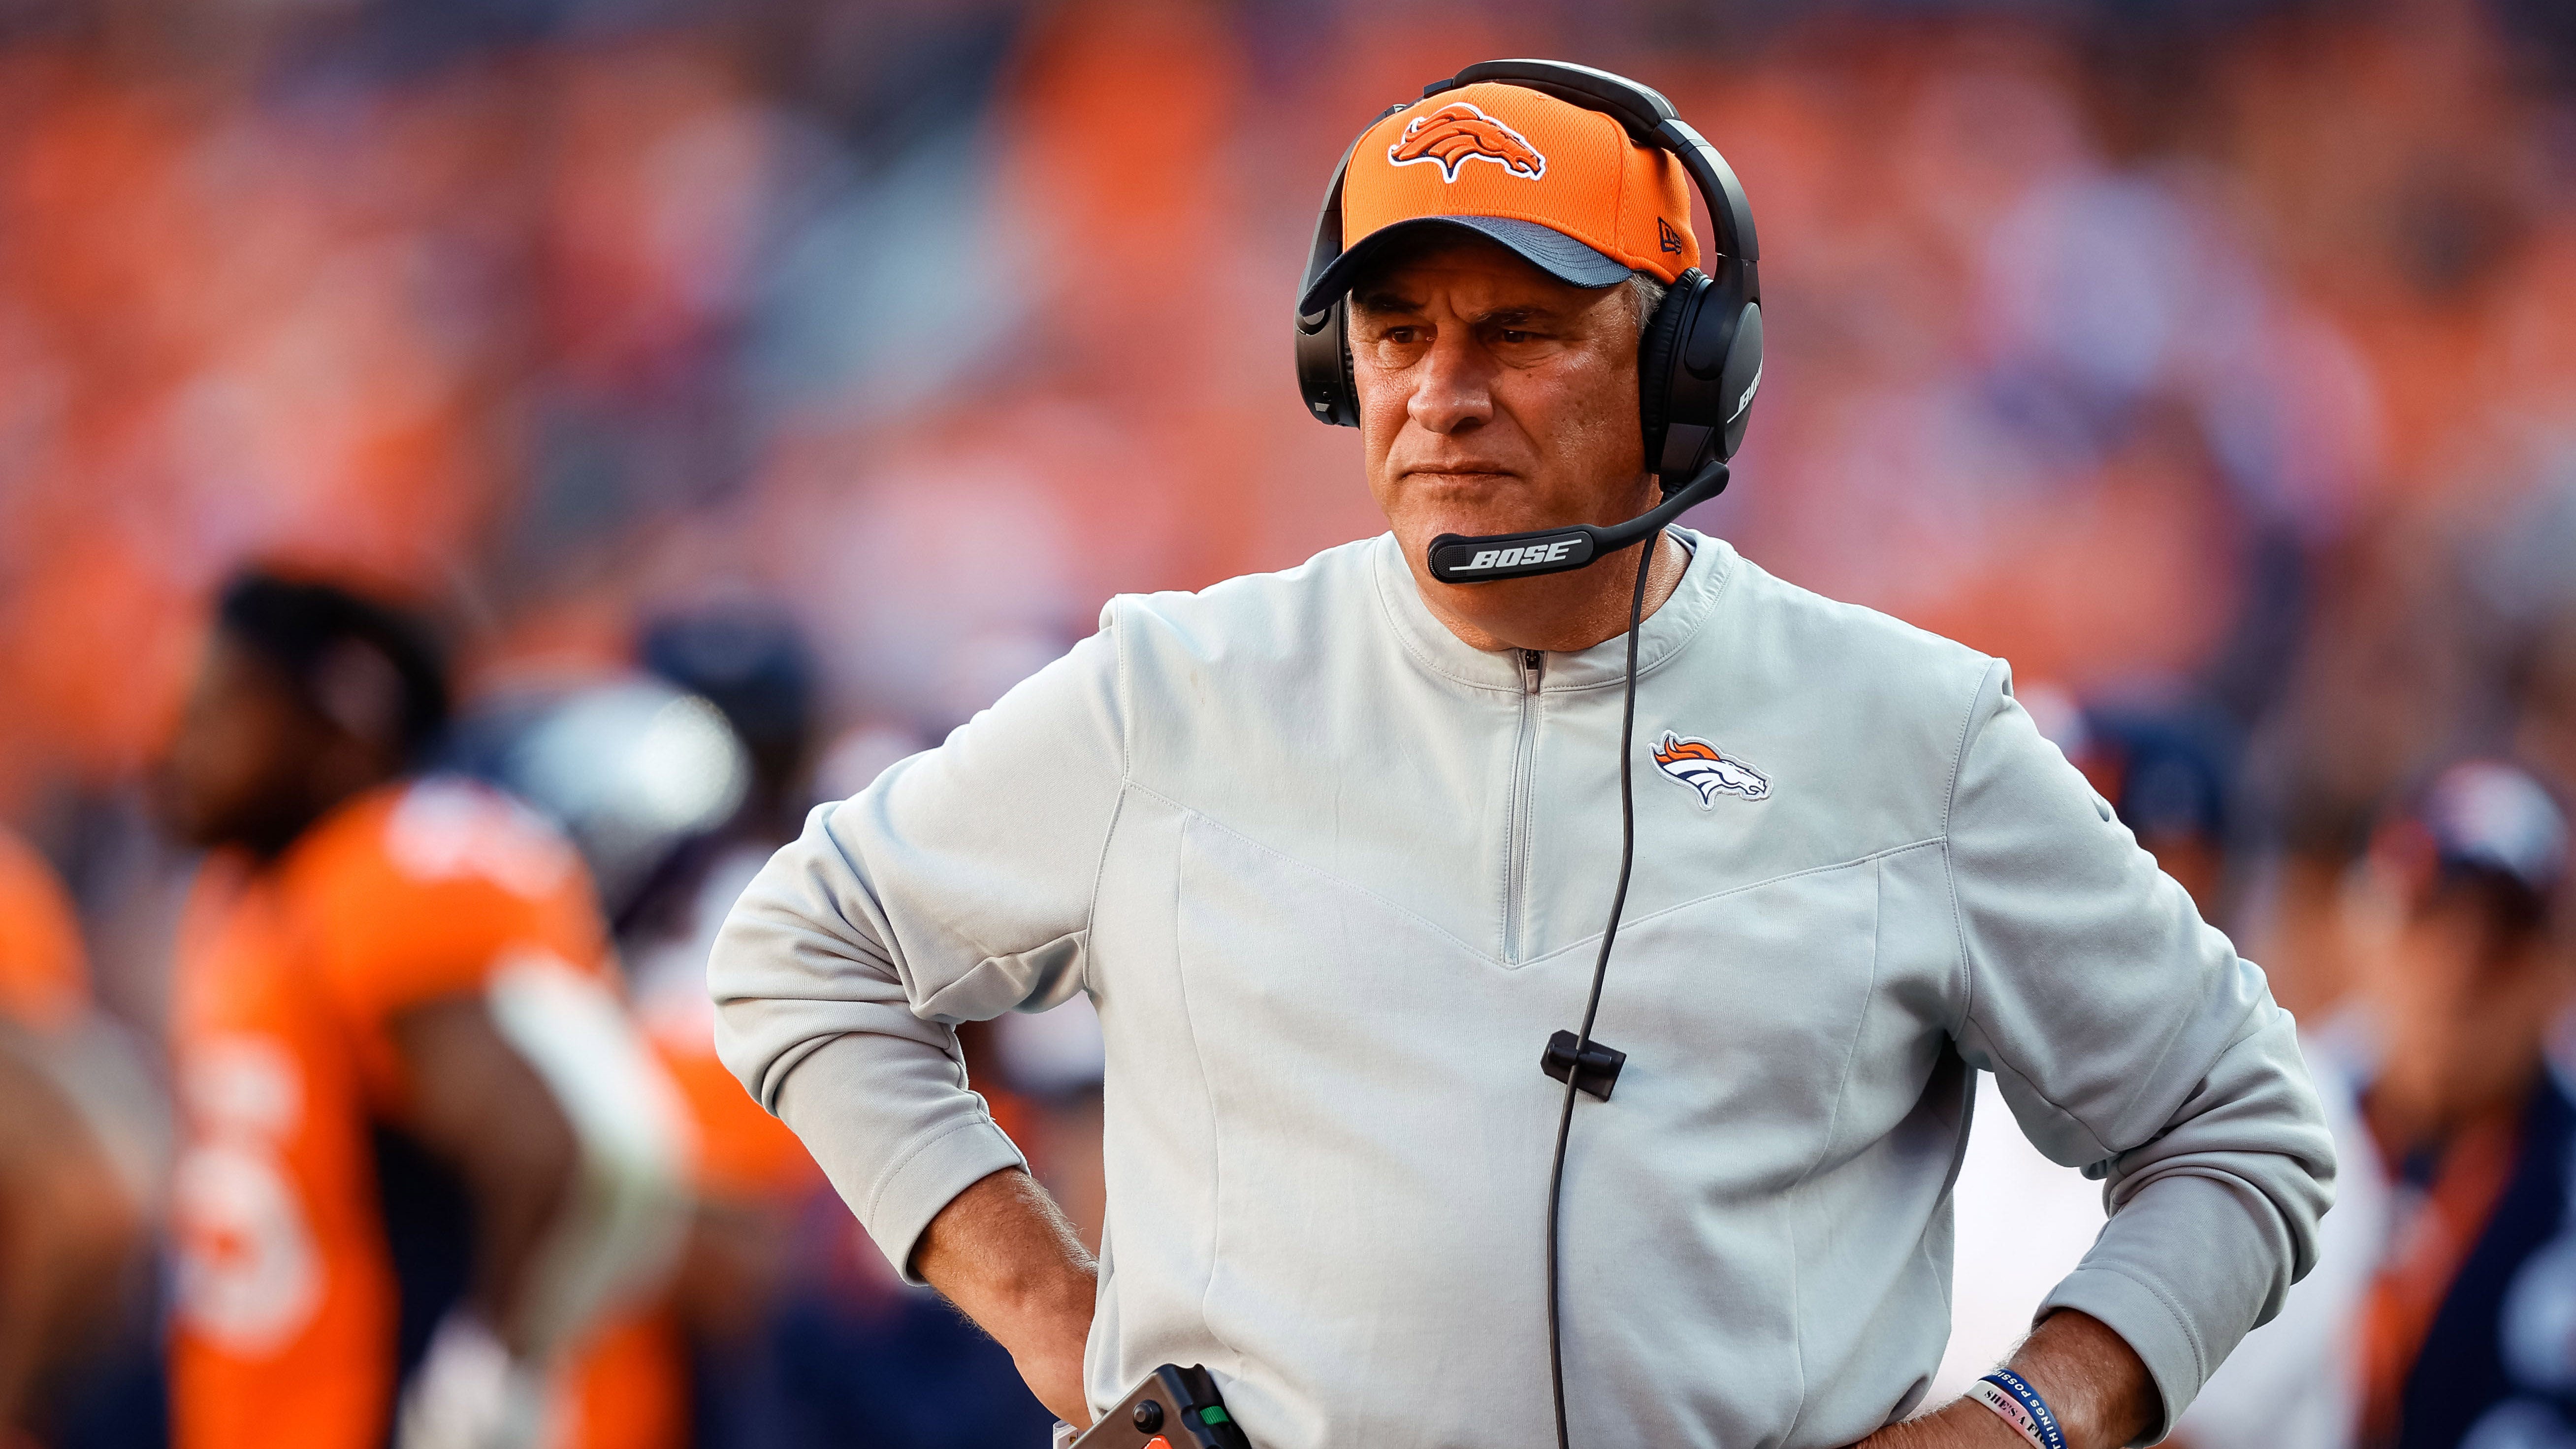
pixel 1329 849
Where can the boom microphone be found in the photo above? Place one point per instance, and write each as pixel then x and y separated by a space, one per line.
pixel 1456 559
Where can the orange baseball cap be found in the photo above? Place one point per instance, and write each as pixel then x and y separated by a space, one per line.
pixel 1564 187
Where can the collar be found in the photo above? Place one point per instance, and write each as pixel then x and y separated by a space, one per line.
pixel 1666 631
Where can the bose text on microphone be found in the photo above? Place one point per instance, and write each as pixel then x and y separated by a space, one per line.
pixel 1456 559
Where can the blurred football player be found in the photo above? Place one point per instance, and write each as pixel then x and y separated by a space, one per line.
pixel 788 1333
pixel 2464 1333
pixel 425 1154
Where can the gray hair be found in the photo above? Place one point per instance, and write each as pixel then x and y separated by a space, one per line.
pixel 1648 293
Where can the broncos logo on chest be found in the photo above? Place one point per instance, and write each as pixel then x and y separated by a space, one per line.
pixel 1460 132
pixel 1698 764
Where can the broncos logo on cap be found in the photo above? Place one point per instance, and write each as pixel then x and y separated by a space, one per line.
pixel 1698 764
pixel 1460 132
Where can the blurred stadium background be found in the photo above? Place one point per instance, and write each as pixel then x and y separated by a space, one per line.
pixel 834 360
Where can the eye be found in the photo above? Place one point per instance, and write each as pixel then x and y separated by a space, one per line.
pixel 1514 336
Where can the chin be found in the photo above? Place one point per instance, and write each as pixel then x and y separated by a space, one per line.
pixel 1502 503
pixel 1477 517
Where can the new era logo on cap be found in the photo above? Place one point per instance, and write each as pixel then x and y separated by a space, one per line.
pixel 1667 239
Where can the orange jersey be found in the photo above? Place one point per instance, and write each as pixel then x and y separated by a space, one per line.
pixel 287 982
pixel 43 979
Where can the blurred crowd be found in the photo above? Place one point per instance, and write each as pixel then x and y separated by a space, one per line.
pixel 472 472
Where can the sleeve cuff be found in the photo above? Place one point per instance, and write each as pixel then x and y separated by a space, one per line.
pixel 930 1179
pixel 895 1168
pixel 2153 1328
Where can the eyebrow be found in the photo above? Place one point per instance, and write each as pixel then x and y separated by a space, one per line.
pixel 1389 301
pixel 1384 300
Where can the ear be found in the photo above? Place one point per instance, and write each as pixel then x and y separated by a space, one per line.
pixel 341 762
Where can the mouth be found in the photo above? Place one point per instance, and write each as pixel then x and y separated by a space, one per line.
pixel 1467 473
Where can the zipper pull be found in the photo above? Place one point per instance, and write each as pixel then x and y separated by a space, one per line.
pixel 1533 663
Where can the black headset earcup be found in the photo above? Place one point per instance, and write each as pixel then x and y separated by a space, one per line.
pixel 1658 358
pixel 1739 377
pixel 1324 368
pixel 1707 384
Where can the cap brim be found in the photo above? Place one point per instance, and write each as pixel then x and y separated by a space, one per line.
pixel 1544 247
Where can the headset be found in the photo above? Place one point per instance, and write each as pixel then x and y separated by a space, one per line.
pixel 1699 359
pixel 1698 363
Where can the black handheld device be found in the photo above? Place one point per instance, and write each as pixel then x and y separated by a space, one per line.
pixel 1174 1408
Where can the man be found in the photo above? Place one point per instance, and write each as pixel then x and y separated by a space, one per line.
pixel 2463 1330
pixel 404 1078
pixel 2437 1314
pixel 1329 850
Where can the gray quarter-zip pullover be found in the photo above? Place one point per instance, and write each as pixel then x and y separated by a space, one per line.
pixel 1332 878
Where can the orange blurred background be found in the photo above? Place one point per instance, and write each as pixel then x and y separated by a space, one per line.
pixel 2212 359
pixel 2093 324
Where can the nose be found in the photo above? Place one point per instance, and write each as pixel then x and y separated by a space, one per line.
pixel 1454 392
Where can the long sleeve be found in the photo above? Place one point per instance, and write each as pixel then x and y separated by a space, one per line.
pixel 2131 1040
pixel 956 887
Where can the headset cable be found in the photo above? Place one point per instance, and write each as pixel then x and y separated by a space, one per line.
pixel 1600 969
